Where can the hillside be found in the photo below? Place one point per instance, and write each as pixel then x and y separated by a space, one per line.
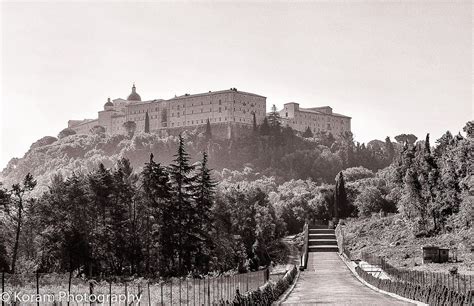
pixel 281 154
pixel 391 237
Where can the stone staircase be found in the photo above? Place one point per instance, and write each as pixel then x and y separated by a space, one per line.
pixel 321 239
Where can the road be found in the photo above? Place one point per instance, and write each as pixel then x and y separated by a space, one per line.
pixel 328 280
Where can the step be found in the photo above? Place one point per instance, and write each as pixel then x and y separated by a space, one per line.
pixel 322 242
pixel 323 248
pixel 321 236
pixel 318 226
pixel 321 231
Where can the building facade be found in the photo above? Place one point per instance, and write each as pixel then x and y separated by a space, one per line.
pixel 229 111
pixel 318 119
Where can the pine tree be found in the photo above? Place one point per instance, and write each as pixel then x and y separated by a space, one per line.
pixel 182 180
pixel 147 123
pixel 121 222
pixel 274 121
pixel 208 133
pixel 159 219
pixel 203 198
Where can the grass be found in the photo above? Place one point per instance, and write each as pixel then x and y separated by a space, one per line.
pixel 392 238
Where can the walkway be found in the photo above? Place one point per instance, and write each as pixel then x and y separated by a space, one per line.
pixel 328 281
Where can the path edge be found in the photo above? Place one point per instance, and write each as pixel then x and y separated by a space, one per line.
pixel 285 295
pixel 352 269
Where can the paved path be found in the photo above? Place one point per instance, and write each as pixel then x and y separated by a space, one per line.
pixel 329 281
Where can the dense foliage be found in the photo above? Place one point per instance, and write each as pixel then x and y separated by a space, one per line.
pixel 103 204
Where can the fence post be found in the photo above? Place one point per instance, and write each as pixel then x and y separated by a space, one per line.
pixel 149 296
pixel 91 289
pixel 3 286
pixel 208 292
pixel 110 292
pixel 161 292
pixel 37 286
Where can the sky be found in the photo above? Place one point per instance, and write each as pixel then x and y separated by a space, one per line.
pixel 393 66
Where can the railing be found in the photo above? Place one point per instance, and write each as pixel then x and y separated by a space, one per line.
pixel 457 282
pixel 175 291
pixel 304 249
pixel 429 287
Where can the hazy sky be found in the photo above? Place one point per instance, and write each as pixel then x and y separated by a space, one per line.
pixel 394 67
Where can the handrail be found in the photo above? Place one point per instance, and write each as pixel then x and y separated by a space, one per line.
pixel 304 249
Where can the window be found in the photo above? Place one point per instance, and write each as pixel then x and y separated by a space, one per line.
pixel 220 103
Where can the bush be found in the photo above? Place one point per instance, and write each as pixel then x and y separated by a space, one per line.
pixel 66 132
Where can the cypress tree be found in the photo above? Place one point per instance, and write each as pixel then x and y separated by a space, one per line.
pixel 307 133
pixel 389 149
pixel 147 123
pixel 254 122
pixel 341 209
pixel 208 132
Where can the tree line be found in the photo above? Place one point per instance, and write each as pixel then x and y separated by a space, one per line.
pixel 164 220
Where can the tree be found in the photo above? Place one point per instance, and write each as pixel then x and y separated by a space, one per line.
pixel 130 128
pixel 265 128
pixel 182 182
pixel 97 130
pixel 66 132
pixel 469 129
pixel 254 123
pixel 160 227
pixel 402 138
pixel 147 123
pixel 369 200
pixel 203 198
pixel 341 206
pixel 4 201
pixel 18 198
pixel 307 133
pixel 389 149
pixel 274 120
pixel 208 132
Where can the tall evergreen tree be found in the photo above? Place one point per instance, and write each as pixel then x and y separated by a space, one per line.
pixel 274 120
pixel 182 180
pixel 307 133
pixel 159 219
pixel 147 123
pixel 389 149
pixel 341 206
pixel 203 198
pixel 254 123
pixel 208 133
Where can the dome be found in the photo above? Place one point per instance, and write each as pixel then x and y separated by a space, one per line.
pixel 134 96
pixel 108 104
